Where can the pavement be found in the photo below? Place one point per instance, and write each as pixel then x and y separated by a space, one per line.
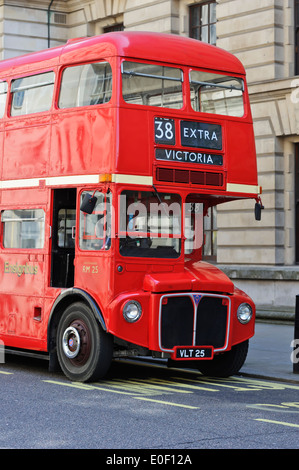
pixel 270 350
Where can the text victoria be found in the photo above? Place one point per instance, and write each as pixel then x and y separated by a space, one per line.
pixel 188 157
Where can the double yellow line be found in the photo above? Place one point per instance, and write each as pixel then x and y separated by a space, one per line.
pixel 83 386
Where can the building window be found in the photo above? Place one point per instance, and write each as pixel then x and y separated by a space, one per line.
pixel 115 27
pixel 203 22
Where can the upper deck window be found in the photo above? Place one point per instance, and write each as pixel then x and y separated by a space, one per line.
pixel 32 94
pixel 3 93
pixel 216 94
pixel 86 85
pixel 152 85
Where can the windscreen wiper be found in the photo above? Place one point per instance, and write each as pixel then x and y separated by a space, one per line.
pixel 160 200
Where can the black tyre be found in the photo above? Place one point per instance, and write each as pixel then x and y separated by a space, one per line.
pixel 226 364
pixel 84 350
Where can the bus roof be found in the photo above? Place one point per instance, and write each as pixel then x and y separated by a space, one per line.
pixel 136 45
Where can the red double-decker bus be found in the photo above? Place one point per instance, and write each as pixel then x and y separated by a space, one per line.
pixel 113 149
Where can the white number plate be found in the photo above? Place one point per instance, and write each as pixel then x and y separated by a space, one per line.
pixel 193 352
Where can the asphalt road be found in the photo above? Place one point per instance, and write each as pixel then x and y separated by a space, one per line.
pixel 143 407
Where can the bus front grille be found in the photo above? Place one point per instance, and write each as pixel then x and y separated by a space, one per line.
pixel 193 319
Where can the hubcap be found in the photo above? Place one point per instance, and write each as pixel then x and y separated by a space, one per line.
pixel 71 342
pixel 76 342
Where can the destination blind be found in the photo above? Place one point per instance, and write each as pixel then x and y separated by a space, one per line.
pixel 186 156
pixel 193 134
pixel 201 135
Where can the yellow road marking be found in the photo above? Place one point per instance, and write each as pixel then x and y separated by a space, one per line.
pixel 217 383
pixel 265 406
pixel 124 385
pixel 6 373
pixel 196 387
pixel 149 383
pixel 68 384
pixel 261 384
pixel 291 403
pixel 85 386
pixel 167 403
pixel 278 422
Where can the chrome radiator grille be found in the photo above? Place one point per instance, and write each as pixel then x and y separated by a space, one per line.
pixel 194 319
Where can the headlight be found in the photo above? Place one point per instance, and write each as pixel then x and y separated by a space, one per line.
pixel 132 311
pixel 244 313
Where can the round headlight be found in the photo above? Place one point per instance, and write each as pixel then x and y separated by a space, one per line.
pixel 244 313
pixel 132 311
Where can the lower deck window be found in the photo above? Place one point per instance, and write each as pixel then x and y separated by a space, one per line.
pixel 23 228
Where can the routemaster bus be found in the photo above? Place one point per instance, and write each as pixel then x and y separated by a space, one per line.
pixel 113 150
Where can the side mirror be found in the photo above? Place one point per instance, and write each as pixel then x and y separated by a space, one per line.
pixel 88 204
pixel 258 210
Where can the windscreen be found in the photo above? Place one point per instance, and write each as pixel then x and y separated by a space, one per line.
pixel 150 224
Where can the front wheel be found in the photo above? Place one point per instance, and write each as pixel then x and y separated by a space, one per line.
pixel 84 350
pixel 226 364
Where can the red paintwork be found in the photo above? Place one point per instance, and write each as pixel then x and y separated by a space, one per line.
pixel 111 138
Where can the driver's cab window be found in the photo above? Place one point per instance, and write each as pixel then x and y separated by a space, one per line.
pixel 95 227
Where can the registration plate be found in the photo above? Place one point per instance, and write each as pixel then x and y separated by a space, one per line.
pixel 193 352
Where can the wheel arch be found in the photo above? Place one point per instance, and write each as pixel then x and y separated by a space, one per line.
pixel 66 298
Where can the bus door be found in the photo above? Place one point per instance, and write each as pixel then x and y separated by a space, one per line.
pixel 63 237
pixel 94 238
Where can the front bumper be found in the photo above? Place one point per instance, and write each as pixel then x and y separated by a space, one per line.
pixel 186 319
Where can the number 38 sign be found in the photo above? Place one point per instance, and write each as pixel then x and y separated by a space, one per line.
pixel 164 131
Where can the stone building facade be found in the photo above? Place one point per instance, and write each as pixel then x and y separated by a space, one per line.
pixel 261 257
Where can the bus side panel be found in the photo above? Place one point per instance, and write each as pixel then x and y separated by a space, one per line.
pixel 241 156
pixel 83 141
pixel 23 316
pixel 93 275
pixel 26 147
pixel 134 153
pixel 21 301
